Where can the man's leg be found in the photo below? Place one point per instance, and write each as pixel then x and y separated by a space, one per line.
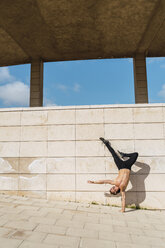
pixel 128 155
pixel 116 158
pixel 132 158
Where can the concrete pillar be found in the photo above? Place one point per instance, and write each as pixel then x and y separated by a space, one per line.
pixel 140 79
pixel 36 84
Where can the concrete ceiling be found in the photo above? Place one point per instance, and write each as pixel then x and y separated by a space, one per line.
pixel 58 30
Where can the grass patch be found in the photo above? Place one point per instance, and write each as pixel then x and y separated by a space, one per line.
pixel 137 207
pixel 94 203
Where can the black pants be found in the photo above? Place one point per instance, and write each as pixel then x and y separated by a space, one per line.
pixel 119 162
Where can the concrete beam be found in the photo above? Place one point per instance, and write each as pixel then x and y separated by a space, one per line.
pixel 140 79
pixel 36 84
pixel 154 24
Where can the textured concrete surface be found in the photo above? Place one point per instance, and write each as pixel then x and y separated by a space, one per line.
pixel 50 153
pixel 36 83
pixel 140 79
pixel 70 30
pixel 33 223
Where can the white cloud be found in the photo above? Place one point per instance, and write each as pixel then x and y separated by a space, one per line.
pixel 12 91
pixel 162 92
pixel 5 75
pixel 49 103
pixel 155 60
pixel 62 87
pixel 130 60
pixel 76 87
pixel 16 93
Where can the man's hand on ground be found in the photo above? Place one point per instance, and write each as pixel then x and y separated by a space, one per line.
pixel 121 210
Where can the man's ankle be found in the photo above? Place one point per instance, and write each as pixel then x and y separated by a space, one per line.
pixel 104 140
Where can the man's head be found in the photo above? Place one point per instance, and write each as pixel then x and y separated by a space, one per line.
pixel 115 190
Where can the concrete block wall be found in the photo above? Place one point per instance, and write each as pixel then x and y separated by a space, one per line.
pixel 140 78
pixel 52 152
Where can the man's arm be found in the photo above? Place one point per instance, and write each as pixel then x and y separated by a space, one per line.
pixel 103 182
pixel 123 201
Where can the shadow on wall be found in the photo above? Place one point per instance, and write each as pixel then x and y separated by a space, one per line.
pixel 135 198
pixel 132 196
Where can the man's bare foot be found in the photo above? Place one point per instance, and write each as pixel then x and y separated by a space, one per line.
pixel 105 141
pixel 90 181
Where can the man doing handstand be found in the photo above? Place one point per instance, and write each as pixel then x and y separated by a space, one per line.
pixel 124 166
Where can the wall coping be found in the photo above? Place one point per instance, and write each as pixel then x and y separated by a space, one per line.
pixel 108 106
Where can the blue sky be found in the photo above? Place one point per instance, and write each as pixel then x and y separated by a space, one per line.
pixel 87 82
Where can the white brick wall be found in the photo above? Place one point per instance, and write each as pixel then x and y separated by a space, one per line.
pixel 51 152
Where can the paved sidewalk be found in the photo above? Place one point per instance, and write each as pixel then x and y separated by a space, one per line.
pixel 36 223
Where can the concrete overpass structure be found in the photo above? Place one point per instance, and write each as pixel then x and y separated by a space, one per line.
pixel 51 152
pixel 38 31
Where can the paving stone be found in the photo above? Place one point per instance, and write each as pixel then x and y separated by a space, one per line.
pixel 12 216
pixel 113 222
pixel 7 199
pixel 49 224
pixel 3 220
pixel 63 246
pixel 141 225
pixel 130 245
pixel 154 233
pixel 159 227
pixel 114 236
pixel 106 210
pixel 43 220
pixel 28 244
pixel 151 220
pixel 41 201
pixel 34 213
pixel 53 210
pixel 99 227
pixel 25 225
pixel 59 216
pixel 18 234
pixel 62 240
pixel 44 204
pixel 89 209
pixel 60 204
pixel 24 207
pixel 29 203
pixel 93 215
pixel 124 217
pixel 5 231
pixel 86 233
pixel 127 230
pixel 10 243
pixel 144 240
pixel 158 246
pixel 27 235
pixel 86 219
pixel 11 209
pixel 70 223
pixel 93 243
pixel 83 204
pixel 36 236
pixel 51 229
pixel 77 212
pixel 71 207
